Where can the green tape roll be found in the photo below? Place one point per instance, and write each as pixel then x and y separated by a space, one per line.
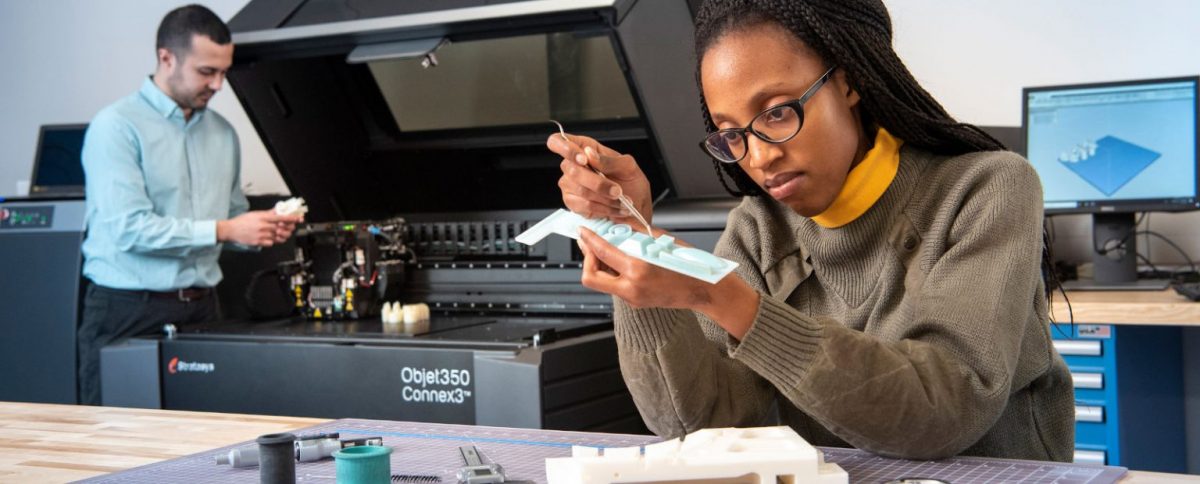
pixel 364 464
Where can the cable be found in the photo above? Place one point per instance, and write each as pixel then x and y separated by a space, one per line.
pixel 1048 244
pixel 1124 240
pixel 248 296
pixel 1148 237
pixel 1070 314
pixel 1186 258
pixel 1153 269
pixel 337 273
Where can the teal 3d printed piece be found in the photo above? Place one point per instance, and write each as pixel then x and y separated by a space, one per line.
pixel 661 251
pixel 364 464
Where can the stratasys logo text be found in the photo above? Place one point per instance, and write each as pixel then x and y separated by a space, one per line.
pixel 177 366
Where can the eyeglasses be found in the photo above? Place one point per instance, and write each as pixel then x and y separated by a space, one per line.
pixel 775 125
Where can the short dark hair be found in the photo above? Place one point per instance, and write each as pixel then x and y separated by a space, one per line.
pixel 179 25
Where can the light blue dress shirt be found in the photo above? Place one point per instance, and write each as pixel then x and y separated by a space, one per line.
pixel 156 186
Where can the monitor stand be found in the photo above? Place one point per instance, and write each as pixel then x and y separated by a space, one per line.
pixel 1115 263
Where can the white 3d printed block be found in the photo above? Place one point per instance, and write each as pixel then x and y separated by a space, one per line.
pixel 759 455
pixel 661 252
pixel 291 206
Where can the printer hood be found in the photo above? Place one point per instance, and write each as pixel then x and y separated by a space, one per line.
pixel 376 108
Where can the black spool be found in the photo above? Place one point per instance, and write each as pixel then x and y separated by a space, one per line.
pixel 276 459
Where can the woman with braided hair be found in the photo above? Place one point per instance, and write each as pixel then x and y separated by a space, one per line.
pixel 889 295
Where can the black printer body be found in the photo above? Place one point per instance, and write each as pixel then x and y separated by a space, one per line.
pixel 438 113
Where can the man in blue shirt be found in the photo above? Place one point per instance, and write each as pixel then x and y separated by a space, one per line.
pixel 163 195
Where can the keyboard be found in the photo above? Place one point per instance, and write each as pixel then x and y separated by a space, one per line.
pixel 1190 290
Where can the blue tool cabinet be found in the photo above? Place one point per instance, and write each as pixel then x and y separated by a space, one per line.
pixel 1129 405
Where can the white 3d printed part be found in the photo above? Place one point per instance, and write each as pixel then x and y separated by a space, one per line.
pixel 396 313
pixel 661 252
pixel 291 206
pixel 763 455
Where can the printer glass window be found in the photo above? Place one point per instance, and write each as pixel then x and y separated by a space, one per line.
pixel 508 81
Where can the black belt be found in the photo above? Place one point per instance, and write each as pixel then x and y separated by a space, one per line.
pixel 187 294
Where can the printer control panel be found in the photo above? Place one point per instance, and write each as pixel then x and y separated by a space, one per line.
pixel 26 217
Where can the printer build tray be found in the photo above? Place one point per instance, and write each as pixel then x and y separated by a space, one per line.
pixel 455 330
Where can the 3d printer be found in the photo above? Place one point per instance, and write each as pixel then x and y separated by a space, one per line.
pixel 362 129
pixel 346 270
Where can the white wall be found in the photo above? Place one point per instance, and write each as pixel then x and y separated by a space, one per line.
pixel 68 58
pixel 975 56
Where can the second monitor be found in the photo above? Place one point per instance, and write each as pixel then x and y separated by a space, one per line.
pixel 1114 149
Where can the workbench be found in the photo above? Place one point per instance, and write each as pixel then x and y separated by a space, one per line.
pixel 61 443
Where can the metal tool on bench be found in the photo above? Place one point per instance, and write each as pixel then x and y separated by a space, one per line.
pixel 476 472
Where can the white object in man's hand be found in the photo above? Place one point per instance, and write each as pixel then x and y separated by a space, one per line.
pixel 262 228
pixel 291 207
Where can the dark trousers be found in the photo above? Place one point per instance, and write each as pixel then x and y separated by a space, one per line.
pixel 113 315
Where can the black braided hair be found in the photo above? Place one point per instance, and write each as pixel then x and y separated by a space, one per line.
pixel 856 37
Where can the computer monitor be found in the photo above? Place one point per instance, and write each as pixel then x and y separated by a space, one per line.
pixel 1113 149
pixel 58 165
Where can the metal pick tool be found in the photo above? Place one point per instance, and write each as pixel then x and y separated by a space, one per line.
pixel 625 201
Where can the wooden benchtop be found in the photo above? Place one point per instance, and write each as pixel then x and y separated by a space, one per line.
pixel 1128 307
pixel 60 443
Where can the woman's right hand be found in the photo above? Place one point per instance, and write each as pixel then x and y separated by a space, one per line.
pixel 588 194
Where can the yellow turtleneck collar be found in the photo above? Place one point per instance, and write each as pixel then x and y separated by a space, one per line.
pixel 865 183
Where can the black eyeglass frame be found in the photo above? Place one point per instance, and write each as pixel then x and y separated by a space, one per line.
pixel 797 105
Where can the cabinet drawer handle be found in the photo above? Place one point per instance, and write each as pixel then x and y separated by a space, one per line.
pixel 1089 413
pixel 1078 348
pixel 1088 380
pixel 1089 457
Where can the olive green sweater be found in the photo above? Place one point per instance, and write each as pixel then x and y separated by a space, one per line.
pixel 919 330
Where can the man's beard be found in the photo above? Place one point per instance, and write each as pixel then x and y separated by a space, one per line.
pixel 198 100
pixel 201 101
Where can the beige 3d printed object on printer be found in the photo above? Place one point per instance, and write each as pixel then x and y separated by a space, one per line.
pixel 759 455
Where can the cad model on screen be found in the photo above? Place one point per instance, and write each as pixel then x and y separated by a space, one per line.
pixel 661 251
pixel 762 455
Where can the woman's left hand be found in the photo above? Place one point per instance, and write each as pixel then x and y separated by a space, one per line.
pixel 643 285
